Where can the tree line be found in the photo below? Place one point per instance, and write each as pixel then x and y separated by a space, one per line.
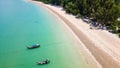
pixel 102 12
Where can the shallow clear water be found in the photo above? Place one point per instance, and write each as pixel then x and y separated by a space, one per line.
pixel 23 24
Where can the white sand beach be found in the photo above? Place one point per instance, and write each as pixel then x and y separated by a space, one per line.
pixel 100 48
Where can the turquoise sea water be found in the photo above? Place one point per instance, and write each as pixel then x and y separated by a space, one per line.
pixel 23 24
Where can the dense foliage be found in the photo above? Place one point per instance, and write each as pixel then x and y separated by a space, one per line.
pixel 103 12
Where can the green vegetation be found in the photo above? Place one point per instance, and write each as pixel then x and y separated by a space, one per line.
pixel 103 12
pixel 45 1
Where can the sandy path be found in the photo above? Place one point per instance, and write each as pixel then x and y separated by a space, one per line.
pixel 104 46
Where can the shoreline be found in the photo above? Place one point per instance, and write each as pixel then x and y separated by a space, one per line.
pixel 101 56
pixel 92 62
